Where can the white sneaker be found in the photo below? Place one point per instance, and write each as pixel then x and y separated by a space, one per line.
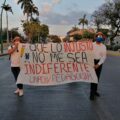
pixel 20 93
pixel 16 91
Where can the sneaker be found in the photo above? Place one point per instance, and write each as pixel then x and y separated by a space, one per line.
pixel 20 93
pixel 16 91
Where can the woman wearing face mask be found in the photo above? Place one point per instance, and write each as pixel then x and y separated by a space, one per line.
pixel 14 52
pixel 99 57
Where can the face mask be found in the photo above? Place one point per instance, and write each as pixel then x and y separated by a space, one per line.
pixel 99 39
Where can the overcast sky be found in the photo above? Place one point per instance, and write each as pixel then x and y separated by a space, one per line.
pixel 59 15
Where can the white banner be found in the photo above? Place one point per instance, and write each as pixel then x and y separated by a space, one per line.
pixel 57 63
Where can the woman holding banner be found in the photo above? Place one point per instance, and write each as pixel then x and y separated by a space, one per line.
pixel 99 57
pixel 14 52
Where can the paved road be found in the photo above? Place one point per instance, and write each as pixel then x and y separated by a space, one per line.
pixel 64 102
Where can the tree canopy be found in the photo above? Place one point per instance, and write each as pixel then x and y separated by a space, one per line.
pixel 109 14
pixel 35 31
pixel 28 8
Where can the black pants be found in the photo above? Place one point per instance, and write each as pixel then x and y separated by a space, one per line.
pixel 94 86
pixel 16 71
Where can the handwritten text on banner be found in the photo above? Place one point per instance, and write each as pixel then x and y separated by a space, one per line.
pixel 57 63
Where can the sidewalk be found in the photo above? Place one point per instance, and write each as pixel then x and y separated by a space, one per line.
pixel 113 53
pixel 64 102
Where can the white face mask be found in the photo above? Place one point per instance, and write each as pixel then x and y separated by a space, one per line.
pixel 99 36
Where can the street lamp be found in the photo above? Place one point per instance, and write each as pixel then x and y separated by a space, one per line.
pixel 1 41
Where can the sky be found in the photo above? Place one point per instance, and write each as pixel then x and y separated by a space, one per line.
pixel 59 15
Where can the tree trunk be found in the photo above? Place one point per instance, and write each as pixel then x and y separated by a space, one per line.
pixel 83 26
pixel 7 28
pixel 1 41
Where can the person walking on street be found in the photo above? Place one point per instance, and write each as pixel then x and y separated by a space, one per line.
pixel 99 58
pixel 14 52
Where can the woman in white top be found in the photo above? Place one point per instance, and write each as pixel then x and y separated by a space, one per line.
pixel 99 57
pixel 14 52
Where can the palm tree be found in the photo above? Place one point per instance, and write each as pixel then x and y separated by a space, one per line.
pixel 1 41
pixel 7 8
pixel 28 8
pixel 33 10
pixel 25 5
pixel 83 21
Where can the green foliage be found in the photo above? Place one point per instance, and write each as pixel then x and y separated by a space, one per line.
pixel 77 37
pixel 7 8
pixel 74 28
pixel 87 34
pixel 113 47
pixel 28 8
pixel 31 28
pixel 109 47
pixel 24 2
pixel 83 21
pixel 55 38
pixel 34 30
pixel 109 14
pixel 104 31
pixel 12 34
pixel 116 47
pixel 4 36
pixel 44 31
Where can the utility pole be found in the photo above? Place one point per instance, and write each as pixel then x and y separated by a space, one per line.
pixel 1 41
